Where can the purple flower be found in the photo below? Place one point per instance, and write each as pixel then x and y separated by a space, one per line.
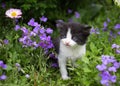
pixel 32 33
pixel 108 20
pixel 36 29
pixel 55 65
pixel 42 30
pixel 3 77
pixel 17 27
pixel 105 24
pixel 17 64
pixel 108 73
pixel 118 51
pixel 113 69
pixel 43 18
pixel 116 64
pixel 35 44
pixel 94 31
pixel 3 5
pixel 32 22
pixel 119 33
pixel 77 14
pixel 42 44
pixel 105 75
pixel 4 66
pixel 115 46
pixel 113 78
pixel 43 37
pixel 70 11
pixel 25 30
pixel 16 21
pixel 101 67
pixel 6 41
pixel 117 26
pixel 112 34
pixel 107 59
pixel 49 30
pixel 52 55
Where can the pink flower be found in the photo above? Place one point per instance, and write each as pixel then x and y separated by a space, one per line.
pixel 13 13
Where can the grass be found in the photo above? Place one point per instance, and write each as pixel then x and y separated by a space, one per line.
pixel 35 63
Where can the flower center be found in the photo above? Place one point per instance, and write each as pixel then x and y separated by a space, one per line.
pixel 14 14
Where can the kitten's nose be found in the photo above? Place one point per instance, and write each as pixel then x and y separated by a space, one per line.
pixel 67 43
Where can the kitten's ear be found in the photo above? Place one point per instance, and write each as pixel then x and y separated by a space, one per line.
pixel 87 30
pixel 59 23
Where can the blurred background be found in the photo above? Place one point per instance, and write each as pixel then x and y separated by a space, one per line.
pixel 56 9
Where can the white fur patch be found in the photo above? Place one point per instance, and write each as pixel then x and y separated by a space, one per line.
pixel 68 40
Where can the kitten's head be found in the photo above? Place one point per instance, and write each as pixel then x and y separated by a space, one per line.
pixel 72 34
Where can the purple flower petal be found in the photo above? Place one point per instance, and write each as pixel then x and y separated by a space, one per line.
pixel 105 24
pixel 108 20
pixel 49 30
pixel 101 67
pixel 112 34
pixel 77 14
pixel 104 82
pixel 6 41
pixel 113 78
pixel 55 65
pixel 119 33
pixel 116 65
pixel 36 29
pixel 42 30
pixel 115 46
pixel 3 5
pixel 32 22
pixel 94 31
pixel 4 66
pixel 43 18
pixel 69 11
pixel 113 69
pixel 25 30
pixel 17 64
pixel 117 26
pixel 1 62
pixel 118 51
pixel 3 77
pixel 17 27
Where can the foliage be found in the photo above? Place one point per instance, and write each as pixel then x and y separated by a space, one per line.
pixel 27 66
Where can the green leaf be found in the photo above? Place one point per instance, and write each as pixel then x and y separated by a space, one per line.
pixel 86 69
pixel 85 60
pixel 26 6
pixel 9 68
pixel 93 48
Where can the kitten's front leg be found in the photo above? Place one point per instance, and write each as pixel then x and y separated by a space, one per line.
pixel 62 66
pixel 74 63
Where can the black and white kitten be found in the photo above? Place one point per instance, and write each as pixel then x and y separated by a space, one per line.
pixel 71 44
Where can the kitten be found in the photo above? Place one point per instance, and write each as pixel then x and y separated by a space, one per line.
pixel 71 44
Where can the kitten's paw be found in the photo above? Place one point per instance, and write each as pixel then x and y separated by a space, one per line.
pixel 65 77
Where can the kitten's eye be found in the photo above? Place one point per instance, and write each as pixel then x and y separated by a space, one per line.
pixel 74 38
pixel 63 36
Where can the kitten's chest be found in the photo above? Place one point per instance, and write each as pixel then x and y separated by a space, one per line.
pixel 72 52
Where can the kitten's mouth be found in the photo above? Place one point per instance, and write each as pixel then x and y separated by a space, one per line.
pixel 67 44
